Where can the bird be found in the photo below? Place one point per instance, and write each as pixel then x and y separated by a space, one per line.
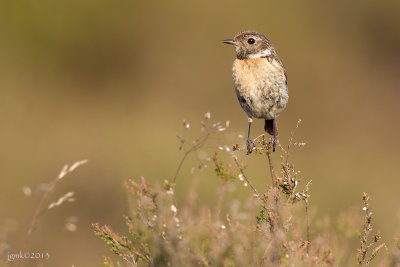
pixel 260 81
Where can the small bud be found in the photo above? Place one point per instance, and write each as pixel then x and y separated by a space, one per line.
pixel 377 237
pixel 174 209
pixel 27 191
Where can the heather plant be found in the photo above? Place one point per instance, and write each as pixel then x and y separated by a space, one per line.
pixel 364 253
pixel 271 227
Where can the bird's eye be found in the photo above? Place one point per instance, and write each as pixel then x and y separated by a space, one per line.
pixel 251 41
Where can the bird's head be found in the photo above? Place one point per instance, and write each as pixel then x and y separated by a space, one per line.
pixel 251 44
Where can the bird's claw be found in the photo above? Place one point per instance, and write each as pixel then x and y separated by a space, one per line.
pixel 250 145
pixel 274 142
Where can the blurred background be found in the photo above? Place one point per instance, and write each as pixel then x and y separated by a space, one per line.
pixel 111 83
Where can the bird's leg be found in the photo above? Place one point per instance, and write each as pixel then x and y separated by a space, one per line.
pixel 274 137
pixel 249 142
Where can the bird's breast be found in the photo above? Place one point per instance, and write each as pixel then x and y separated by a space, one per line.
pixel 258 73
pixel 261 87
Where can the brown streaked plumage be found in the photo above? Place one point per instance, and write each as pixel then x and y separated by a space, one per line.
pixel 260 80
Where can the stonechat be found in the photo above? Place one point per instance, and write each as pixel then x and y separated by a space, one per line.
pixel 260 81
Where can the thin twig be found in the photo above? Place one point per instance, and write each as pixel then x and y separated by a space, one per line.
pixel 291 138
pixel 308 226
pixel 244 176
pixel 261 135
pixel 39 211
pixel 271 167
pixel 200 142
pixel 180 164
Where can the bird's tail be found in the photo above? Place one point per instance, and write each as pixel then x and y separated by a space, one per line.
pixel 269 126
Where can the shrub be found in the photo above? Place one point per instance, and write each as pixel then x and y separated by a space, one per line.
pixel 264 230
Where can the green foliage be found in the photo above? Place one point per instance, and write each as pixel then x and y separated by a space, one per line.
pixel 108 262
pixel 224 172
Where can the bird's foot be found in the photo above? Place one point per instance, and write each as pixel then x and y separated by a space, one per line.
pixel 274 142
pixel 250 145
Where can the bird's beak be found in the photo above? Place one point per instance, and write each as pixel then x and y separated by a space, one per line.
pixel 229 41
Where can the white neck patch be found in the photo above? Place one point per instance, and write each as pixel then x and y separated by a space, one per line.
pixel 264 53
